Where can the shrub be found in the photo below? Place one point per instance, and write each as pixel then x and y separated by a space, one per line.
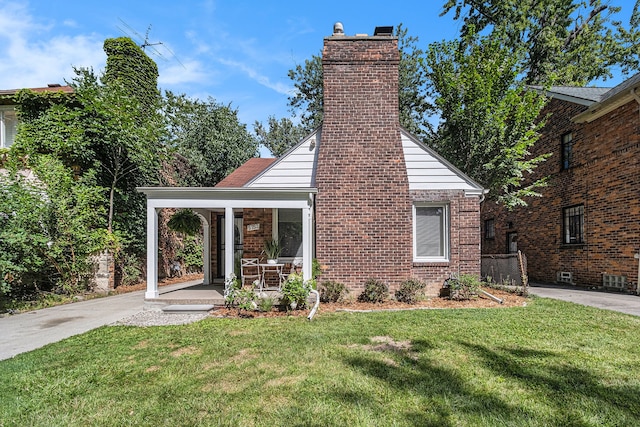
pixel 332 291
pixel 374 291
pixel 295 290
pixel 463 288
pixel 410 291
pixel 265 304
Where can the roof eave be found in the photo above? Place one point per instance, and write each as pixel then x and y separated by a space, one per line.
pixel 599 109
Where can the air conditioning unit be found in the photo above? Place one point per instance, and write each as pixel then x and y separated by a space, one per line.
pixel 564 277
pixel 614 282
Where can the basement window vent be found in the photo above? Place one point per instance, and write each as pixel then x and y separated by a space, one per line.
pixel 564 277
pixel 615 282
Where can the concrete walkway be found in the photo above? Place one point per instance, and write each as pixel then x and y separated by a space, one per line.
pixel 28 331
pixel 622 302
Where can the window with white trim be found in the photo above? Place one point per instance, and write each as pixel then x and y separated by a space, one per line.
pixel 8 126
pixel 289 231
pixel 430 232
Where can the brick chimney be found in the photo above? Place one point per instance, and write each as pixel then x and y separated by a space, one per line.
pixel 363 208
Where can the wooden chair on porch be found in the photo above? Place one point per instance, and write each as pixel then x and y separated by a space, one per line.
pixel 250 270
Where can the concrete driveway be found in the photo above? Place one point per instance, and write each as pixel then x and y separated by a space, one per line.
pixel 28 331
pixel 624 303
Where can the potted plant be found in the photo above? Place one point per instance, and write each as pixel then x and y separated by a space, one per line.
pixel 272 250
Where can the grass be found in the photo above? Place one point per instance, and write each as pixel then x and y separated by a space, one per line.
pixel 548 364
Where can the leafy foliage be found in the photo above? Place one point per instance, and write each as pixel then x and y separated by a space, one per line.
pixel 295 290
pixel 129 67
pixel 49 228
pixel 185 221
pixel 331 291
pixel 87 151
pixel 571 42
pixel 280 136
pixel 209 137
pixel 410 291
pixel 374 291
pixel 489 121
pixel 464 287
pixel 190 253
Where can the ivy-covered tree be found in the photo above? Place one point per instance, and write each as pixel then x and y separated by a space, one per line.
pixel 102 142
pixel 489 120
pixel 49 228
pixel 208 138
pixel 569 42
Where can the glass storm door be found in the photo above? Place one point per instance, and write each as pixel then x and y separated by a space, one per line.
pixel 237 247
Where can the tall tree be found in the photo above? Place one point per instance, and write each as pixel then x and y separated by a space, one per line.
pixel 280 135
pixel 307 102
pixel 569 42
pixel 208 137
pixel 488 118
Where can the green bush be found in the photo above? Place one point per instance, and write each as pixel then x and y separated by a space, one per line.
pixel 374 291
pixel 464 287
pixel 332 291
pixel 410 291
pixel 266 304
pixel 295 290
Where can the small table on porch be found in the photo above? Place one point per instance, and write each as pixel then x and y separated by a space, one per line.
pixel 271 269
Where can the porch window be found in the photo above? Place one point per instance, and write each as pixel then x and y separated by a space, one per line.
pixel 573 224
pixel 8 126
pixel 289 232
pixel 431 232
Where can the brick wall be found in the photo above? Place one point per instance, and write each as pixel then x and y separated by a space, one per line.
pixel 464 239
pixel 604 177
pixel 253 240
pixel 363 208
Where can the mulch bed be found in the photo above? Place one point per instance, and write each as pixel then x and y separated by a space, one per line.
pixel 509 300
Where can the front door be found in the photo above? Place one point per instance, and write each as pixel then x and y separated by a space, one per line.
pixel 237 247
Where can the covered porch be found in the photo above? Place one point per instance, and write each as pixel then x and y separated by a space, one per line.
pixel 220 207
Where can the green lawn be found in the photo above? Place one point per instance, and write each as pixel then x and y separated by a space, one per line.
pixel 548 364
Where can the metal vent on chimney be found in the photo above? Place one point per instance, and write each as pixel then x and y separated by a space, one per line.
pixel 383 31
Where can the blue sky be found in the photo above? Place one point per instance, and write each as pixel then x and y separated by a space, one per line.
pixel 235 51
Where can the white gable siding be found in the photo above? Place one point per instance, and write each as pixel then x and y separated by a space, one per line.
pixel 295 169
pixel 426 171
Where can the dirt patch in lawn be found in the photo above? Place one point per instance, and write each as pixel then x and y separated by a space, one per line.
pixel 508 300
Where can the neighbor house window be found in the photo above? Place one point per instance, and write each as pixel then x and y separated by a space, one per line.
pixel 8 126
pixel 567 150
pixel 573 224
pixel 289 232
pixel 431 232
pixel 489 229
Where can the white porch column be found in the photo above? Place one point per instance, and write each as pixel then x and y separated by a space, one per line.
pixel 307 252
pixel 152 253
pixel 229 246
pixel 206 259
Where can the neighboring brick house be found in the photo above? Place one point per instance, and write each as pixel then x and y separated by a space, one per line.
pixel 359 194
pixel 585 230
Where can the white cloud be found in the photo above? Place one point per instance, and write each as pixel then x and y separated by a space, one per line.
pixel 33 55
pixel 181 72
pixel 261 79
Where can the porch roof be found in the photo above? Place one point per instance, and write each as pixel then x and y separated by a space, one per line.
pixel 215 197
